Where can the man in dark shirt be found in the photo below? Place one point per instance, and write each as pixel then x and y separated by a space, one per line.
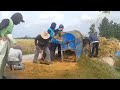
pixel 95 44
pixel 41 43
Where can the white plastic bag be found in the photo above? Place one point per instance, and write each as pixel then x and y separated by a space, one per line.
pixel 2 44
pixel 3 48
pixel 10 37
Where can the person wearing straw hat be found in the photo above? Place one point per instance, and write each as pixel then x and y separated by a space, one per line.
pixel 41 42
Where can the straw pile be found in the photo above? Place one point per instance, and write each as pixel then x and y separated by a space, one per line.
pixel 108 47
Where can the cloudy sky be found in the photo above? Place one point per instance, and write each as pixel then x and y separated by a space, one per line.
pixel 39 21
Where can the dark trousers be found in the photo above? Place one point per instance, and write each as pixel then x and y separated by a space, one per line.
pixel 95 48
pixel 53 47
pixel 59 50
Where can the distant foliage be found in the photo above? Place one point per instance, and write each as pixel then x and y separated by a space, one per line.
pixel 92 29
pixel 109 29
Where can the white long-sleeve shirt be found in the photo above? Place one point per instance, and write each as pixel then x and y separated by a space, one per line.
pixel 15 55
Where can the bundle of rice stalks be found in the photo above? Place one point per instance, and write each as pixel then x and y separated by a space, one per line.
pixel 108 47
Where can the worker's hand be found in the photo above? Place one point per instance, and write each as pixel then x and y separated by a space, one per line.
pixel 37 47
pixel 60 40
pixel 50 41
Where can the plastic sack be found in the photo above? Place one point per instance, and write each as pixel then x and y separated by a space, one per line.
pixel 10 37
pixel 118 53
pixel 2 44
pixel 3 56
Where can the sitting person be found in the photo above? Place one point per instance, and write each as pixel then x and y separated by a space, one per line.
pixel 15 58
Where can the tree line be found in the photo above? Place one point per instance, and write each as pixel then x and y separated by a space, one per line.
pixel 107 29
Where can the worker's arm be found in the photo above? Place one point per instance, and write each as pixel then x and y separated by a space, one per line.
pixel 49 31
pixel 36 40
pixel 4 23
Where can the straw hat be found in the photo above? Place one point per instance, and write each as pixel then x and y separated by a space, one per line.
pixel 45 35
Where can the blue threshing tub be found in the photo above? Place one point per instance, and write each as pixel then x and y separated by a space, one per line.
pixel 72 40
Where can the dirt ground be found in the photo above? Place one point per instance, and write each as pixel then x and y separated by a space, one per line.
pixel 56 70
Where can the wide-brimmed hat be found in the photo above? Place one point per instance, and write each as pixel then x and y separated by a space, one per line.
pixel 45 35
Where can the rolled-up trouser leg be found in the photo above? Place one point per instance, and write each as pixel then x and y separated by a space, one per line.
pixel 47 51
pixel 38 50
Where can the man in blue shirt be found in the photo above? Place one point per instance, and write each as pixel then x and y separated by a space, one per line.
pixel 51 31
pixel 56 42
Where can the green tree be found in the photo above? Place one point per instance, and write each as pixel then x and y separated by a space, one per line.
pixel 109 29
pixel 92 29
pixel 104 28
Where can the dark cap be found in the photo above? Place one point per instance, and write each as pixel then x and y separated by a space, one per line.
pixel 61 26
pixel 53 25
pixel 18 15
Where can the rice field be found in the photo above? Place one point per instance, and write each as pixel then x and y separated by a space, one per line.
pixel 27 45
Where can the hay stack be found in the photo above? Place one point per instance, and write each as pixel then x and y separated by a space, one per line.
pixel 108 47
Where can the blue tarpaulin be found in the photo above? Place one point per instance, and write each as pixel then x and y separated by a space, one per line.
pixel 118 53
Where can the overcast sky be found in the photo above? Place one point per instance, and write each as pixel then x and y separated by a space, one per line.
pixel 39 21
